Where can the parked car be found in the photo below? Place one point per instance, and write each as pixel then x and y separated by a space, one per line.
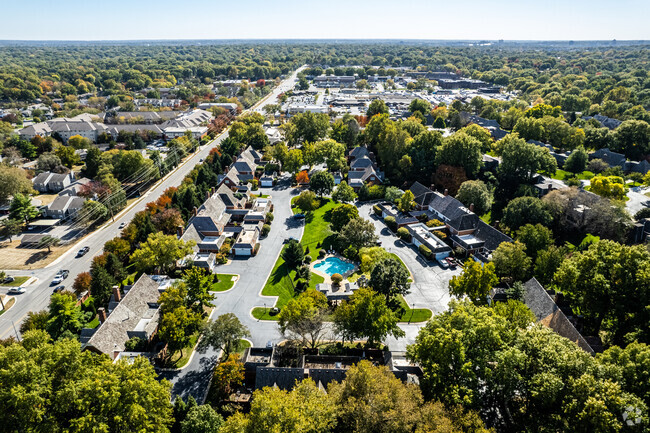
pixel 299 216
pixel 64 273
pixel 16 290
pixel 451 262
pixel 82 252
pixel 122 226
pixel 443 264
pixel 58 289
pixel 8 280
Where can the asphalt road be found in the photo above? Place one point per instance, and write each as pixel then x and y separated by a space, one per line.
pixel 38 294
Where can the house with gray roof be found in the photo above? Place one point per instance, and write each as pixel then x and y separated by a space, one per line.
pixel 613 159
pixel 48 182
pixel 65 206
pixel 136 314
pixel 550 315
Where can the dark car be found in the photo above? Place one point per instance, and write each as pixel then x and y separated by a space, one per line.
pixel 82 252
pixel 58 289
pixel 299 216
pixel 8 280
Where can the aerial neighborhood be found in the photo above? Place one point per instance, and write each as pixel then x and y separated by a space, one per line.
pixel 364 237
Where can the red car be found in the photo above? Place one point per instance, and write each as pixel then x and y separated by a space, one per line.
pixel 451 262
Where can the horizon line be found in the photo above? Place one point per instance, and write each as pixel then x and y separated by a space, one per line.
pixel 324 39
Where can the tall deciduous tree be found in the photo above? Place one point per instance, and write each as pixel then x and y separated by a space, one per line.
pixel 178 322
pixel 13 181
pixel 303 318
pixel 358 233
pixel 21 208
pixel 160 252
pixel 389 278
pixel 475 192
pixel 224 333
pixel 321 183
pixel 341 215
pixel 366 315
pixel 461 150
pixel 344 193
pixel 475 282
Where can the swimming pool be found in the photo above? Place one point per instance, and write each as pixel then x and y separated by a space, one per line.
pixel 334 265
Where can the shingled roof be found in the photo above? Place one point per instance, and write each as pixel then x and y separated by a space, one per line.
pixel 135 315
pixel 550 315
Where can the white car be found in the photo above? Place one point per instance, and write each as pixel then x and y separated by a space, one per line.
pixel 57 279
pixel 16 290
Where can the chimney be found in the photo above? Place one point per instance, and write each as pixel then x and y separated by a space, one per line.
pixel 179 231
pixel 471 207
pixel 117 294
pixel 207 195
pixel 446 192
pixel 194 211
pixel 213 190
pixel 102 314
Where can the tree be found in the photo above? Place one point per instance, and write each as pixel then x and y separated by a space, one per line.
pixel 160 252
pixel 366 315
pixel 101 285
pixel 303 409
pixel 511 262
pixel 629 368
pixel 439 123
pixel 13 181
pixel 377 106
pixel 370 256
pixel 481 134
pixel 344 193
pixel 306 201
pixel 476 193
pixel 227 375
pixel 526 210
pixel 406 203
pixel 75 390
pixel 358 233
pixel 521 161
pixel 302 177
pixel 606 283
pixel 535 238
pixel 321 183
pixel 632 137
pixel 224 333
pixel 393 194
pixel 11 227
pixel 547 263
pixel 168 220
pixel 92 211
pixel 202 419
pixel 22 209
pixel 390 278
pixel 461 150
pixel 64 315
pixel 82 283
pixel 35 320
pixel 341 215
pixel 303 318
pixel 67 155
pixel 118 246
pixel 48 242
pixel 608 186
pixel 178 322
pixel 577 161
pixel 199 283
pixel 293 161
pixel 93 161
pixel 293 254
pixel 308 127
pixel 422 152
pixel 475 282
pixel 420 105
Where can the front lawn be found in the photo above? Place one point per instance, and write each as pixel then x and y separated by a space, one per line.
pixel 563 175
pixel 411 315
pixel 226 281
pixel 16 282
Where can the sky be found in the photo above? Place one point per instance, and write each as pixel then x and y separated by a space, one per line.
pixel 332 19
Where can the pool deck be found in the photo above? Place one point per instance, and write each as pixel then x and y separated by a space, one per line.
pixel 325 275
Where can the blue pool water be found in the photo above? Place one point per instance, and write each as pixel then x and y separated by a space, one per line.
pixel 334 265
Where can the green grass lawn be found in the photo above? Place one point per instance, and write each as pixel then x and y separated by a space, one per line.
pixel 413 315
pixel 563 175
pixel 225 283
pixel 16 282
pixel 243 345
pixel 280 282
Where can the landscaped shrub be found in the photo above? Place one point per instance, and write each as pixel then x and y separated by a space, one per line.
pixel 425 251
pixel 391 223
pixel 377 209
pixel 321 253
pixel 336 279
pixel 266 229
pixel 269 218
pixel 307 260
pixel 440 235
pixel 404 234
pixel 350 253
pixel 435 223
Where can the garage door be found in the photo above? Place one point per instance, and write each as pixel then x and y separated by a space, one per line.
pixel 242 252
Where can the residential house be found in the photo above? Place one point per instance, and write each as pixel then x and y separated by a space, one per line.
pixel 231 107
pixel 48 182
pixel 550 315
pixel 75 187
pixel 135 315
pixel 613 159
pixel 422 235
pixel 242 170
pixel 246 243
pixel 65 206
pixel 206 226
pixel 489 124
